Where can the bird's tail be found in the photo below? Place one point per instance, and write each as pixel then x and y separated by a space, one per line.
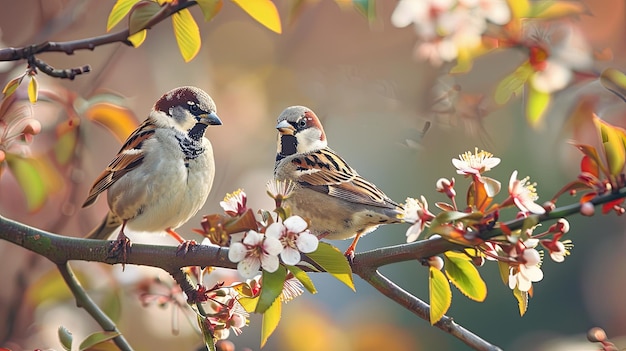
pixel 108 225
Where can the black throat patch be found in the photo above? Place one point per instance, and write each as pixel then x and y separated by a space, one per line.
pixel 288 146
pixel 190 147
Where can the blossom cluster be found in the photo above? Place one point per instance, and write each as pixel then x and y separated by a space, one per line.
pixel 515 248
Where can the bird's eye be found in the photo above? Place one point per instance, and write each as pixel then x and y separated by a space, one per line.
pixel 193 107
pixel 302 123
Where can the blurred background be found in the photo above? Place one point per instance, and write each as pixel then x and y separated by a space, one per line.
pixel 374 98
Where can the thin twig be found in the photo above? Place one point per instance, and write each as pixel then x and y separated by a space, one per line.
pixel 83 300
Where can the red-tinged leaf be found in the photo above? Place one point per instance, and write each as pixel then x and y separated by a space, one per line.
pixel 589 165
pixel 537 103
pixel 138 38
pixel 187 34
pixel 120 121
pixel 140 16
pixel 263 11
pixel 29 179
pixel 550 10
pixel 96 340
pixel 588 197
pixel 272 288
pixel 303 278
pixel 65 337
pixel 12 85
pixel 210 8
pixel 615 81
pixel 464 275
pixel 440 294
pixel 592 153
pixel 613 146
pixel 33 90
pixel 119 11
pixel 207 333
pixel 271 318
pixel 608 207
pixel 522 300
pixel 513 84
pixel 334 262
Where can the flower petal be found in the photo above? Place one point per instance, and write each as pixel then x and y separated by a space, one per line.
pixel 269 263
pixel 290 256
pixel 414 232
pixel 253 238
pixel 249 267
pixel 272 246
pixel 275 230
pixel 237 252
pixel 295 224
pixel 307 242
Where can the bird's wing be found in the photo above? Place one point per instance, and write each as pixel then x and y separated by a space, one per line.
pixel 326 172
pixel 129 157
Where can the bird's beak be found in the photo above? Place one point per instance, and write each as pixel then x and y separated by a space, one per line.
pixel 285 128
pixel 209 119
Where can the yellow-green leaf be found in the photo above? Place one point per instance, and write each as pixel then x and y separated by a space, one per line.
pixel 263 11
pixel 513 83
pixel 334 262
pixel 65 337
pixel 249 303
pixel 303 278
pixel 613 146
pixel 549 10
pixel 519 8
pixel 51 288
pixel 64 146
pixel 119 120
pixel 210 8
pixel 138 38
pixel 12 86
pixel 119 11
pixel 29 179
pixel 271 317
pixel 97 338
pixel 615 81
pixel 187 34
pixel 33 90
pixel 367 8
pixel 440 294
pixel 464 275
pixel 503 268
pixel 140 15
pixel 537 103
pixel 271 289
pixel 522 300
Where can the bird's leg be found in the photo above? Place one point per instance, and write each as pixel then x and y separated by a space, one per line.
pixel 185 245
pixel 350 251
pixel 121 246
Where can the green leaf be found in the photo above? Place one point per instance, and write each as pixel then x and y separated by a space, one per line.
pixel 615 81
pixel 303 278
pixel 65 337
pixel 464 275
pixel 119 11
pixel 207 334
pixel 51 288
pixel 210 8
pixel 271 289
pixel 29 179
pixel 33 90
pixel 334 262
pixel 440 294
pixel 513 83
pixel 263 11
pixel 12 86
pixel 537 103
pixel 97 338
pixel 522 300
pixel 111 304
pixel 187 34
pixel 141 14
pixel 271 317
pixel 550 10
pixel 367 8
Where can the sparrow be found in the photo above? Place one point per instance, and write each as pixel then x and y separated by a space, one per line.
pixel 163 173
pixel 338 203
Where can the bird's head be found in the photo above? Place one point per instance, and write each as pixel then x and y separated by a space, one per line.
pixel 300 131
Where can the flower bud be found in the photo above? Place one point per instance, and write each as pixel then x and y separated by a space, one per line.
pixel 587 209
